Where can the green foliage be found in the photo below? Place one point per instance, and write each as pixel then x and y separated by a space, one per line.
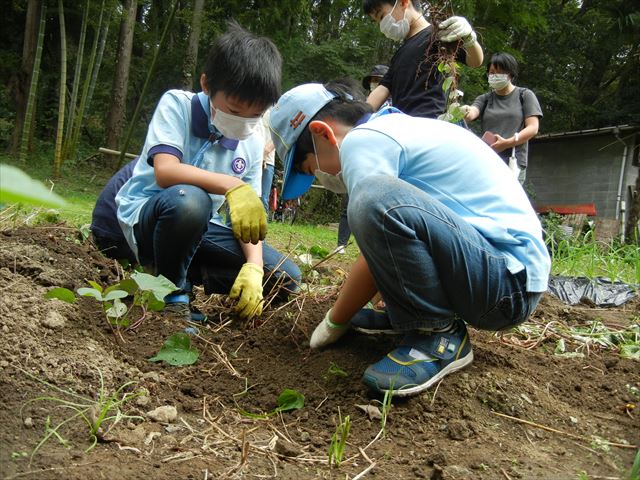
pixel 17 186
pixel 148 294
pixel 61 293
pixel 177 351
pixel 634 473
pixel 288 400
pixel 339 440
pixel 319 206
pixel 335 371
pixel 581 255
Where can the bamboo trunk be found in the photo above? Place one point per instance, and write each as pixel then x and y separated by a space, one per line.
pixel 33 88
pixel 76 85
pixel 57 160
pixel 143 93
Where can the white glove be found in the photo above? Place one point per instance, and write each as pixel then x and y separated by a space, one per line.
pixel 457 28
pixel 327 332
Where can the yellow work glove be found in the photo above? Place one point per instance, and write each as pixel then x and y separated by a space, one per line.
pixel 248 290
pixel 248 218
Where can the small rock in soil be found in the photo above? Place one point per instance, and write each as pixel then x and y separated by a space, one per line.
pixel 285 448
pixel 53 320
pixel 28 422
pixel 164 414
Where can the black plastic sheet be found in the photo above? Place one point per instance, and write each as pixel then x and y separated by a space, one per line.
pixel 599 292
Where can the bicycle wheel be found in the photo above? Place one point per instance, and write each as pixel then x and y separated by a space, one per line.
pixel 289 214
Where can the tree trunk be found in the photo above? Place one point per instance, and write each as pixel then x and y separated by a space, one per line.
pixel 27 124
pixel 191 56
pixel 143 93
pixel 116 117
pixel 75 90
pixel 57 159
pixel 632 235
pixel 22 78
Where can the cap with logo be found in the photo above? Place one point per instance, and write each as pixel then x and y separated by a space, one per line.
pixel 289 117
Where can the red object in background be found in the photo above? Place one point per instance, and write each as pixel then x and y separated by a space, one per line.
pixel 586 208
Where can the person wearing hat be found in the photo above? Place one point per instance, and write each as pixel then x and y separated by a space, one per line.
pixel 371 81
pixel 447 234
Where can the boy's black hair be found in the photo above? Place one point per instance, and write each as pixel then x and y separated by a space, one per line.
pixel 347 108
pixel 244 66
pixel 505 62
pixel 370 6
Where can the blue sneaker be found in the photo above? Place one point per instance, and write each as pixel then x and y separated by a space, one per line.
pixel 372 322
pixel 420 361
pixel 177 308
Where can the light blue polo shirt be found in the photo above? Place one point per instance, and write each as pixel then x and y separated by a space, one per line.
pixel 458 169
pixel 181 126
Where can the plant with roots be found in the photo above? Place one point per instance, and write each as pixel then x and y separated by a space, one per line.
pixel 100 415
pixel 443 63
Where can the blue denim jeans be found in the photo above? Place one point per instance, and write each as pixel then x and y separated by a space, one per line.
pixel 171 225
pixel 267 180
pixel 344 232
pixel 176 239
pixel 429 264
pixel 219 259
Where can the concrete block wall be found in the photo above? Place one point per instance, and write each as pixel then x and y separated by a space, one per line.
pixel 571 170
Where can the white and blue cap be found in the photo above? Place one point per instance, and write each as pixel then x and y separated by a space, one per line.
pixel 289 117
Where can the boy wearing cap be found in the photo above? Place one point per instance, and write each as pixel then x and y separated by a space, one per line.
pixel 199 151
pixel 413 79
pixel 447 234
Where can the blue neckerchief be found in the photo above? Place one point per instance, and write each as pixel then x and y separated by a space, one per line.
pixel 202 127
pixel 384 111
pixel 363 119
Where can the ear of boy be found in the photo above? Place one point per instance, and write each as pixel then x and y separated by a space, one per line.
pixel 323 129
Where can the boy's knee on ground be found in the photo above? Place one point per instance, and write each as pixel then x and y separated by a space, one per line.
pixel 191 203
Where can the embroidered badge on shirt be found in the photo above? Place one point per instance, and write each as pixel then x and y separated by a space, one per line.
pixel 238 165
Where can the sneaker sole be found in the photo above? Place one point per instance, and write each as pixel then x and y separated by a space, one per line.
pixel 381 331
pixel 452 367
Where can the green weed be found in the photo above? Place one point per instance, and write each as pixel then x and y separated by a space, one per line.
pixel 96 414
pixel 177 351
pixel 288 400
pixel 339 440
pixel 335 371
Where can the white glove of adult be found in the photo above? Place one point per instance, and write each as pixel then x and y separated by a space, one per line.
pixel 327 332
pixel 457 28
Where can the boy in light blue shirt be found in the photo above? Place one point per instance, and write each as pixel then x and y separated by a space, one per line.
pixel 447 234
pixel 199 151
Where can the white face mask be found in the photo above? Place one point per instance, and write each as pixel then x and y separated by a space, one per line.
pixel 396 30
pixel 498 81
pixel 233 126
pixel 333 183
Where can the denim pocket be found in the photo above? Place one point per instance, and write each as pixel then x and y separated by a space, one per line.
pixel 512 308
pixel 507 313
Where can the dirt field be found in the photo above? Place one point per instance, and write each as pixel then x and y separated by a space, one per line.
pixel 472 426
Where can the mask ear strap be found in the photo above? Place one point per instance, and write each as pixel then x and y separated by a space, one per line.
pixel 315 150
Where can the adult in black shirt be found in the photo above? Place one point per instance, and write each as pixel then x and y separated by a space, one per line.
pixel 413 80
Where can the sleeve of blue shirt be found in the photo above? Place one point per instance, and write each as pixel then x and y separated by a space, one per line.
pixel 169 127
pixel 360 160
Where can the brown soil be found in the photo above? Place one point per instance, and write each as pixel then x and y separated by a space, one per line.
pixel 454 431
